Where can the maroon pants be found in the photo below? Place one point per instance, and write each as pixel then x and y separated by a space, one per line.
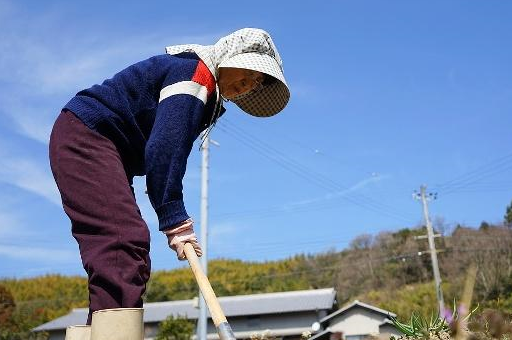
pixel 105 220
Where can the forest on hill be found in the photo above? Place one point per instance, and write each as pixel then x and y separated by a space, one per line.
pixel 390 270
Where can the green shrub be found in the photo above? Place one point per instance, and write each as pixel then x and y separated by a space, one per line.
pixel 173 328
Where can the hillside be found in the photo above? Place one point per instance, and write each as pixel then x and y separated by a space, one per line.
pixel 386 270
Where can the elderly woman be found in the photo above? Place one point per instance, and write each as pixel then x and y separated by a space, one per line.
pixel 143 121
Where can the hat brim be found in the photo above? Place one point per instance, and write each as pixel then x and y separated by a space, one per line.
pixel 272 98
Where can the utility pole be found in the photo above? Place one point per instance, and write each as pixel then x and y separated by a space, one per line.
pixel 203 316
pixel 424 197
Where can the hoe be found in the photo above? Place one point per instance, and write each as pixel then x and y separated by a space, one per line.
pixel 218 317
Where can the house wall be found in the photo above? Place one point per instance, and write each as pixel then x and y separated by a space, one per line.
pixel 272 321
pixel 389 330
pixel 357 321
pixel 256 323
pixel 57 335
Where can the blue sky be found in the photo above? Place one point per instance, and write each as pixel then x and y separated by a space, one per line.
pixel 386 96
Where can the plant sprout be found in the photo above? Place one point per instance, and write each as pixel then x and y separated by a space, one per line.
pixel 421 327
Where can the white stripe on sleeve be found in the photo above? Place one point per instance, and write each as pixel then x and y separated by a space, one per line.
pixel 185 87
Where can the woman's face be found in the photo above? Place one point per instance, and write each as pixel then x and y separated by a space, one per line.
pixel 234 82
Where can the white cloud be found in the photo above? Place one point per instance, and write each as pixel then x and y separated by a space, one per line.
pixel 222 230
pixel 9 225
pixel 39 254
pixel 38 129
pixel 223 237
pixel 31 176
pixel 18 242
pixel 31 121
pixel 13 219
pixel 14 237
pixel 358 186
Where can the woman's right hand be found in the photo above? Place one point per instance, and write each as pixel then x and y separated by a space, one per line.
pixel 181 234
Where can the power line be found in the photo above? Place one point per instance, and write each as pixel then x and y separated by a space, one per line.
pixel 482 170
pixel 315 178
pixel 278 210
pixel 489 169
pixel 481 187
pixel 301 145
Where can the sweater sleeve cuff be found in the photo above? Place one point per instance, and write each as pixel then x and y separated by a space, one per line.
pixel 170 214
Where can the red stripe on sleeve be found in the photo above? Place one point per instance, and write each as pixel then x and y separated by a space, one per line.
pixel 204 77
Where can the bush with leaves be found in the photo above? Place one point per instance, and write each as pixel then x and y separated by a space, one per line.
pixel 175 328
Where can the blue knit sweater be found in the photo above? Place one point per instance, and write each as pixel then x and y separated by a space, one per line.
pixel 153 111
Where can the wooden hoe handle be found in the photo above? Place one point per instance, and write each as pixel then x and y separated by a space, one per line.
pixel 218 317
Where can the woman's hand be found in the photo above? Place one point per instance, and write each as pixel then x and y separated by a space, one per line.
pixel 181 234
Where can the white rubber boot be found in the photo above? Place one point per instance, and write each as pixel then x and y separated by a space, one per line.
pixel 117 324
pixel 78 332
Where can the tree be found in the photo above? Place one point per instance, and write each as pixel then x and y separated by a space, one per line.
pixel 11 327
pixel 7 306
pixel 484 226
pixel 172 328
pixel 363 241
pixel 508 215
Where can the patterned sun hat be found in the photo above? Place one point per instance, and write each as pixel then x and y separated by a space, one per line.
pixel 253 49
